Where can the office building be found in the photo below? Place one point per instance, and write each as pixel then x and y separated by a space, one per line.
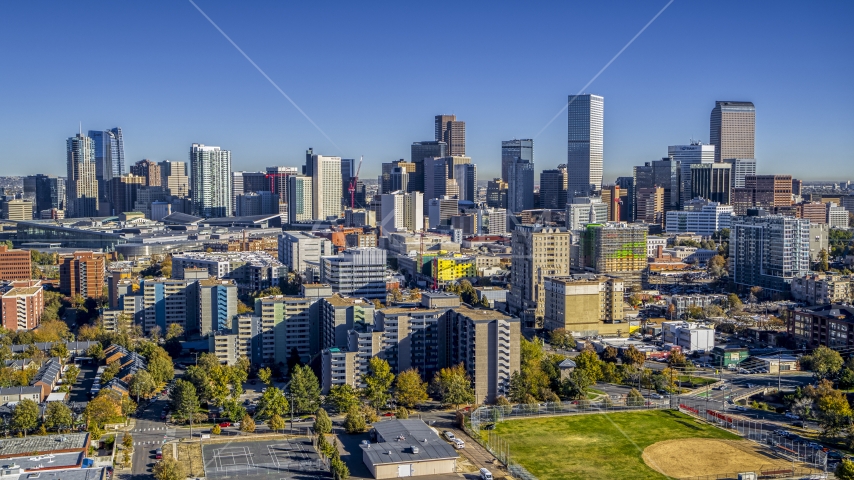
pixel 700 217
pixel 300 203
pixel 492 221
pixel 109 153
pixel 356 272
pixel 15 264
pixel 711 181
pixel 359 218
pixel 732 130
pixel 768 251
pixel 419 151
pixel 124 192
pixel 585 114
pixel 402 171
pixel 217 304
pixel 815 212
pixel 837 217
pixel 257 203
pixel 278 178
pixel 496 193
pixel 211 181
pixel 81 184
pixel 452 132
pixel 665 173
pixel 649 205
pixel 339 315
pixel 741 168
pixel 348 172
pixel 48 192
pixel 249 182
pixel 486 342
pixel 520 188
pixel 466 176
pixel 586 305
pixel 82 273
pixel 584 210
pixel 149 170
pixel 399 179
pixel 513 149
pixel 300 251
pixel 22 306
pixel 402 211
pixel 694 154
pixel 173 177
pixel 627 208
pixel 615 249
pixel 440 211
pixel 325 185
pixel 613 197
pixel 537 252
pixel 16 209
pixel 553 188
pixel 763 191
pixel 285 327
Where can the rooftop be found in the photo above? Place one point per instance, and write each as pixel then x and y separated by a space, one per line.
pixel 835 310
pixel 482 314
pixel 52 461
pixel 339 301
pixel 69 474
pixel 13 447
pixel 399 436
pixel 22 291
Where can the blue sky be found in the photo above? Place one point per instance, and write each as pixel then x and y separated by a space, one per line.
pixel 373 74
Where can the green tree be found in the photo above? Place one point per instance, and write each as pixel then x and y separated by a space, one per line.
pixel 560 338
pixel 141 384
pixel 401 413
pixel 25 417
pixel 453 386
pixel 339 468
pixel 265 375
pixel 322 423
pixel 161 367
pixel 410 389
pixel 823 261
pixel 110 372
pixel 343 398
pixel 169 469
pixel 305 389
pixel 175 330
pixel 589 362
pixel 378 382
pixel 695 311
pixel 272 402
pixel 844 470
pixel 247 424
pixel 58 415
pixel 185 400
pixel 823 361
pixel 677 359
pixel 233 410
pixel 276 423
pixel 634 398
pixel 355 422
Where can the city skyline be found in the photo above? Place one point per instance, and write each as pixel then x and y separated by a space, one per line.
pixel 669 112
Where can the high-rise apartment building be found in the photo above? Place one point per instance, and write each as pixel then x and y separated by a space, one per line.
pixel 21 307
pixel 15 264
pixel 520 188
pixel 325 186
pixel 211 181
pixel 356 272
pixel 339 315
pixel 712 181
pixel 741 168
pixel 586 305
pixel 300 251
pixel 81 183
pixel 615 249
pixel 700 217
pixel 496 193
pixel 694 154
pixel 418 152
pixel 538 252
pixel 285 327
pixel 401 212
pixel 768 251
pixel 649 205
pixel 149 170
pixel 82 273
pixel 763 191
pixel 217 304
pixel 732 130
pixel 513 149
pixel 553 188
pixel 452 132
pixel 173 177
pixel 585 114
pixel 300 202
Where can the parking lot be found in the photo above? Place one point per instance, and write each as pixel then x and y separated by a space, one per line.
pixel 280 459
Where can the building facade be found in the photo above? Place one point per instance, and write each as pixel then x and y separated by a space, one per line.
pixel 538 252
pixel 211 181
pixel 732 130
pixel 356 272
pixel 82 274
pixel 769 251
pixel 81 182
pixel 585 140
pixel 584 304
pixel 513 149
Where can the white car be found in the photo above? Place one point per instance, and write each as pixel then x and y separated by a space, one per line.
pixel 458 444
pixel 449 435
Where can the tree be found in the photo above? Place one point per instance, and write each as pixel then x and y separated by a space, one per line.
pixel 71 374
pixel 339 468
pixel 110 372
pixel 322 423
pixel 101 409
pixel 141 384
pixel 453 386
pixel 343 397
pixel 169 469
pixel 305 389
pixel 233 410
pixel 589 362
pixel 160 366
pixel 185 401
pixel 560 338
pixel 822 264
pixel 272 402
pixel 25 417
pixel 378 380
pixel 677 358
pixel 58 350
pixel 610 354
pixel 695 311
pixel 635 300
pixel 735 304
pixel 174 330
pixel 247 424
pixel 276 423
pixel 634 398
pixel 633 356
pixel 57 416
pixel 401 413
pixel 844 470
pixel 410 389
pixel 265 375
pixel 355 422
pixel 716 266
pixel 96 351
pixel 823 361
pixel 834 412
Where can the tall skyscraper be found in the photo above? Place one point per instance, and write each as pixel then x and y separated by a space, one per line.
pixel 402 211
pixel 325 186
pixel 496 193
pixel 82 185
pixel 466 176
pixel 109 152
pixel 712 182
pixel 520 190
pixel 513 149
pixel 278 177
pixel 299 198
pixel 348 171
pixel 585 115
pixel 247 182
pixel 741 168
pixel 553 188
pixel 418 152
pixel 173 177
pixel 211 181
pixel 452 132
pixel 732 130
pixel 627 210
pixel 687 155
pixel 768 251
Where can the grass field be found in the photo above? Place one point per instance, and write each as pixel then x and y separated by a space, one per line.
pixel 607 446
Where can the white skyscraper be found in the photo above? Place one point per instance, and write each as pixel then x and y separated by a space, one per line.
pixel 325 186
pixel 688 155
pixel 211 181
pixel 401 211
pixel 586 115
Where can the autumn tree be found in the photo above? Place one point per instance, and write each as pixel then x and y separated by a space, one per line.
pixel 453 386
pixel 25 417
pixel 57 416
pixel 343 397
pixel 410 389
pixel 169 469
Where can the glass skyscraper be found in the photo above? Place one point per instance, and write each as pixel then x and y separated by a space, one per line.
pixel 513 149
pixel 82 185
pixel 211 181
pixel 585 115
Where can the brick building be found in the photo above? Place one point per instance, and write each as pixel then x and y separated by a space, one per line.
pixel 15 264
pixel 82 274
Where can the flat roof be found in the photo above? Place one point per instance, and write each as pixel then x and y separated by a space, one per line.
pixel 37 462
pixel 13 447
pixel 400 436
pixel 68 474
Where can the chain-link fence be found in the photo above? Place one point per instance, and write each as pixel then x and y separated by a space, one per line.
pixel 799 473
pixel 487 417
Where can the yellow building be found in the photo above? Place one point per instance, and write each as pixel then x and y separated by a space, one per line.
pixel 585 304
pixel 448 269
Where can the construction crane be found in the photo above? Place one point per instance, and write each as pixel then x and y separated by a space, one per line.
pixel 353 181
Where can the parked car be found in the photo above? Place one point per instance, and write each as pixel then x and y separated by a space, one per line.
pixel 449 435
pixel 792 416
pixel 458 444
pixel 741 408
pixel 225 424
pixel 388 414
pixel 158 454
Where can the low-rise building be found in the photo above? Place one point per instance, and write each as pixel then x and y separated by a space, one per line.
pixel 690 336
pixel 830 325
pixel 584 304
pixel 407 448
pixel 725 355
pixel 496 296
pixel 820 289
pixel 683 303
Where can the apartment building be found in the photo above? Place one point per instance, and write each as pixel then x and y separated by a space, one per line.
pixel 167 301
pixel 356 272
pixel 701 217
pixel 615 248
pixel 300 251
pixel 217 304
pixel 821 289
pixel 584 304
pixel 538 252
pixel 338 315
pixel 769 251
pixel 15 264
pixel 285 327
pixel 251 271
pixel 830 325
pixel 22 306
pixel 82 273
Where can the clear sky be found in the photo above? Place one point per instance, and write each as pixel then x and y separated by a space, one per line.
pixel 373 74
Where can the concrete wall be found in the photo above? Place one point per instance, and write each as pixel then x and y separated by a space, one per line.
pixel 433 467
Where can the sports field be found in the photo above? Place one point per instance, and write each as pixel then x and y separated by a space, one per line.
pixel 611 446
